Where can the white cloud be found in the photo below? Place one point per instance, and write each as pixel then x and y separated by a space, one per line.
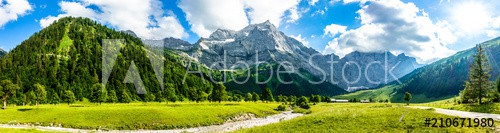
pixel 10 10
pixel 300 39
pixel 146 19
pixel 334 29
pixel 312 2
pixel 474 18
pixel 354 1
pixel 391 25
pixel 294 15
pixel 272 10
pixel 206 16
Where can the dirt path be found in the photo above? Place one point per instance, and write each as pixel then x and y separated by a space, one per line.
pixel 226 127
pixel 463 114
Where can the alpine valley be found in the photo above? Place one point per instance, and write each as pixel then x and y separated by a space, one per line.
pixel 68 55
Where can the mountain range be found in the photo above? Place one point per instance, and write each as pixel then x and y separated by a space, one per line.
pixel 2 52
pixel 442 79
pixel 264 42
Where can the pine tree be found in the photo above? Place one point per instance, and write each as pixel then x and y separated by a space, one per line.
pixel 267 95
pixel 125 97
pixel 255 97
pixel 219 93
pixel 478 83
pixel 112 96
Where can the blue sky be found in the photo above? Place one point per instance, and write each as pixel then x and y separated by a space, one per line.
pixel 425 29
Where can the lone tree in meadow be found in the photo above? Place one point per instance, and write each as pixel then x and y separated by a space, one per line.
pixel 40 93
pixel 7 89
pixel 478 86
pixel 407 98
pixel 69 97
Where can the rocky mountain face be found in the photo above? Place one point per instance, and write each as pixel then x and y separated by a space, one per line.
pixel 262 42
pixel 172 43
pixel 2 52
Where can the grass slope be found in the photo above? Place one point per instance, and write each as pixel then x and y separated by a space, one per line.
pixel 134 115
pixel 361 118
pixel 451 103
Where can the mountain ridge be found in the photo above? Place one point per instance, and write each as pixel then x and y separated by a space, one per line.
pixel 272 45
pixel 439 80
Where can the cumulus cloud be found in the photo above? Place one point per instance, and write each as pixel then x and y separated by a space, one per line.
pixel 301 39
pixel 312 2
pixel 206 16
pixel 391 25
pixel 146 19
pixel 334 29
pixel 272 10
pixel 10 10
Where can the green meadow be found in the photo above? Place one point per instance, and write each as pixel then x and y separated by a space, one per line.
pixel 452 104
pixel 134 115
pixel 359 117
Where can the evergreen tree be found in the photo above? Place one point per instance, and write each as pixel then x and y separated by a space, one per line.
pixel 219 93
pixel 497 84
pixel 248 97
pixel 255 97
pixel 267 95
pixel 479 74
pixel 99 94
pixel 112 98
pixel 54 98
pixel 7 89
pixel 125 97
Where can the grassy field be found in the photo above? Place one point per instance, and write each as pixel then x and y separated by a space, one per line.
pixel 11 130
pixel 452 104
pixel 386 93
pixel 134 115
pixel 358 117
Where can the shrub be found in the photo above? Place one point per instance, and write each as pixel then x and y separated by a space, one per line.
pixel 281 108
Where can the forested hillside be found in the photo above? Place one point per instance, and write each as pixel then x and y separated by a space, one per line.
pixel 298 85
pixel 439 80
pixel 67 55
